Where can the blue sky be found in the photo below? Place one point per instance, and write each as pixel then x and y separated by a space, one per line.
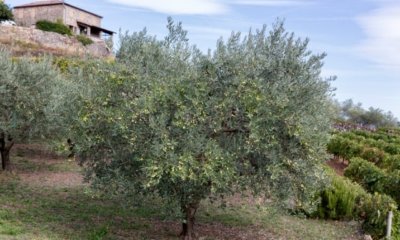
pixel 361 37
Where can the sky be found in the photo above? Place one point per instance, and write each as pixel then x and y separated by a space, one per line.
pixel 361 37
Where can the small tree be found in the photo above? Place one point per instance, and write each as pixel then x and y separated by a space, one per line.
pixel 169 120
pixel 5 12
pixel 24 93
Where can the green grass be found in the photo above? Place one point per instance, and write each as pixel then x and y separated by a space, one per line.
pixel 271 219
pixel 43 212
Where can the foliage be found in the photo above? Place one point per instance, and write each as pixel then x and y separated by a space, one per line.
pixel 372 154
pixel 344 147
pixel 24 87
pixel 392 163
pixel 376 208
pixel 354 113
pixel 57 27
pixel 341 199
pixel 378 147
pixel 396 225
pixel 374 158
pixel 392 185
pixel 109 43
pixel 374 179
pixel 64 65
pixel 25 90
pixel 344 199
pixel 366 174
pixel 169 120
pixel 84 40
pixel 5 12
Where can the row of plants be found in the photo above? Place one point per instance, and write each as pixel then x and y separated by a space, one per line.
pixel 390 131
pixel 350 145
pixel 389 146
pixel 348 148
pixel 372 187
pixel 373 178
pixel 384 134
pixel 346 200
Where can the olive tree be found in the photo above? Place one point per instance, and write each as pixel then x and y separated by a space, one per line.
pixel 169 120
pixel 24 94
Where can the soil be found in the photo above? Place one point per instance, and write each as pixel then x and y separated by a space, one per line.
pixel 44 177
pixel 338 165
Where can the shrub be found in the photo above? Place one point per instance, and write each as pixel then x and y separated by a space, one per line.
pixel 374 179
pixel 392 148
pixel 344 199
pixel 339 200
pixel 391 163
pixel 344 147
pixel 392 185
pixel 57 27
pixel 84 40
pixel 366 174
pixel 5 12
pixel 396 225
pixel 372 154
pixel 375 209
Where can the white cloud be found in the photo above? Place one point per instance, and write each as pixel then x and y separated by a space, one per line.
pixel 272 2
pixel 382 42
pixel 201 7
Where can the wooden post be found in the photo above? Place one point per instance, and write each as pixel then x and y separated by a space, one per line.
pixel 389 225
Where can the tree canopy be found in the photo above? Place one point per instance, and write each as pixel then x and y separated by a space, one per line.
pixel 356 114
pixel 25 90
pixel 5 12
pixel 169 120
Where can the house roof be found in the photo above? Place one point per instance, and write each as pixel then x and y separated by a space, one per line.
pixel 53 2
pixel 98 28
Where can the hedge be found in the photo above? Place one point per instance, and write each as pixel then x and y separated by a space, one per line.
pixel 374 179
pixel 57 27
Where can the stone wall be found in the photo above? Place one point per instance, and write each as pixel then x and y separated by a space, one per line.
pixel 73 15
pixel 23 40
pixel 29 16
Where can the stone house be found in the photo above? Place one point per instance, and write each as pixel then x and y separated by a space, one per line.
pixel 80 21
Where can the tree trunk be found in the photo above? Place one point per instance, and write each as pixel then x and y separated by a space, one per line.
pixel 5 160
pixel 5 147
pixel 71 147
pixel 189 212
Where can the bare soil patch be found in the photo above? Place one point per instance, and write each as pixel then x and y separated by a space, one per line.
pixel 338 165
pixel 35 152
pixel 45 168
pixel 48 179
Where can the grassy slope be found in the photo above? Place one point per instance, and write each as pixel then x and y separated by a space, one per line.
pixel 40 201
